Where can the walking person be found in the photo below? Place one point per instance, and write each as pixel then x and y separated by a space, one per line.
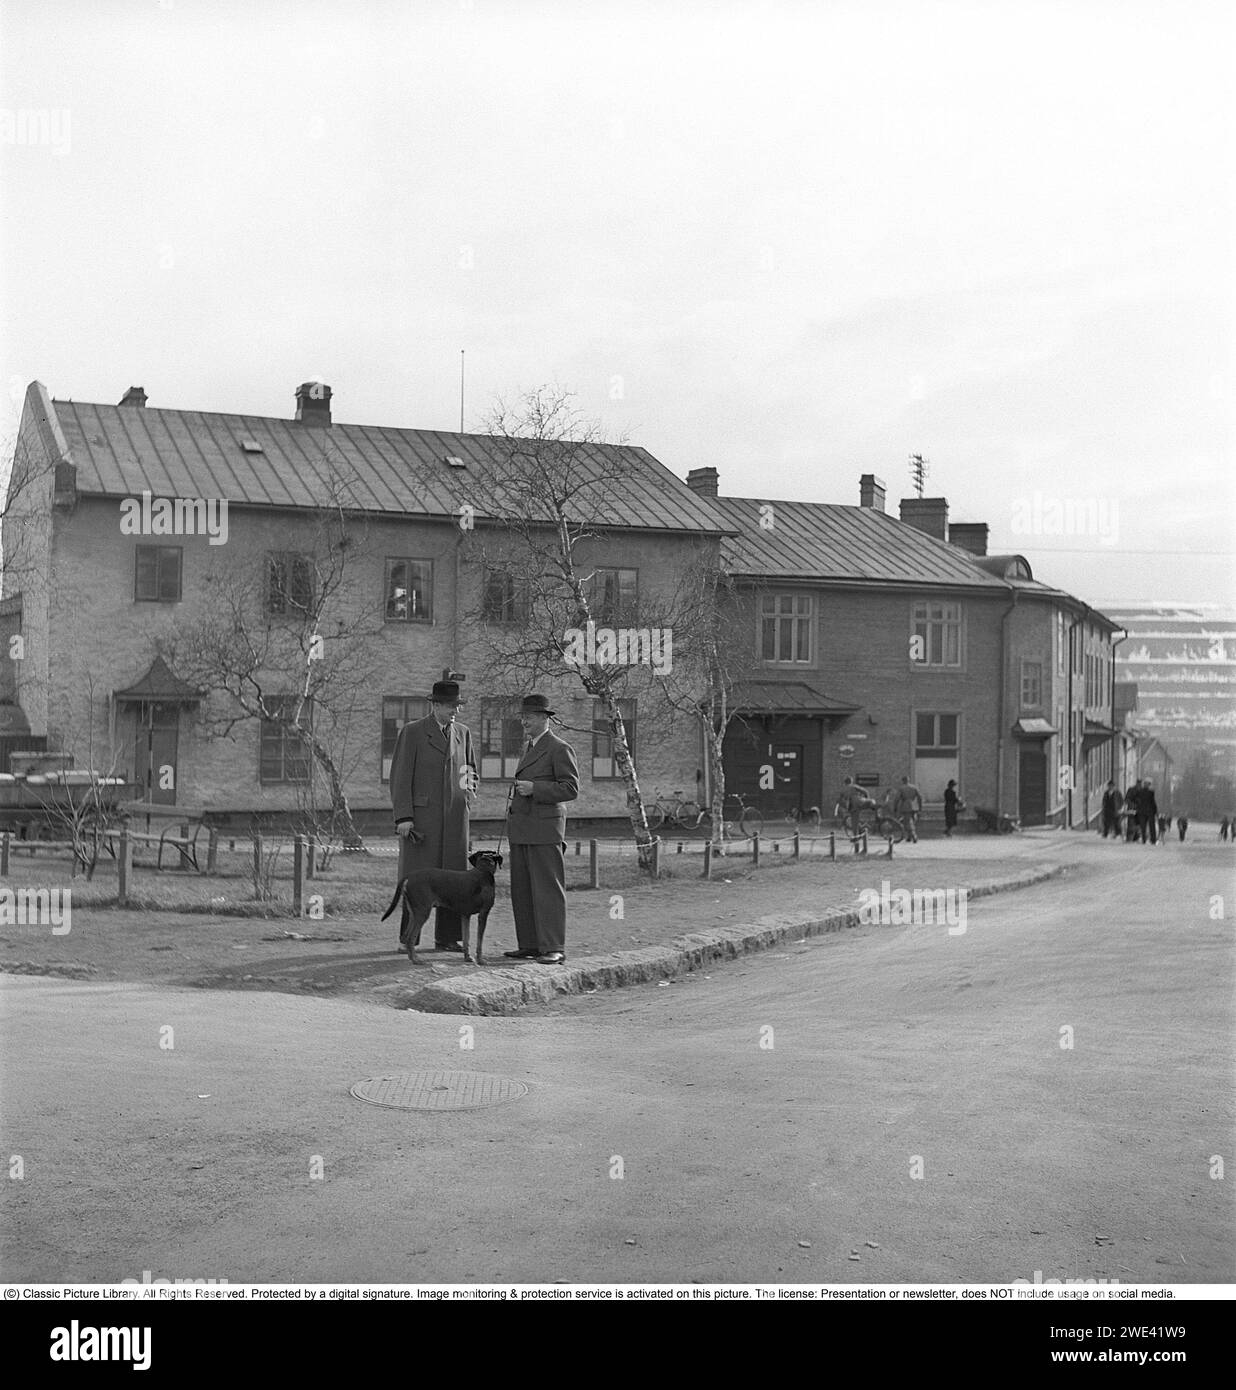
pixel 546 778
pixel 1147 812
pixel 852 800
pixel 1131 798
pixel 1223 828
pixel 1112 802
pixel 909 805
pixel 1182 825
pixel 952 804
pixel 433 789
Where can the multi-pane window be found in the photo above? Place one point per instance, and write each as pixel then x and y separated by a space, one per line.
pixel 936 735
pixel 612 596
pixel 289 584
pixel 1031 684
pixel 604 764
pixel 398 710
pixel 506 597
pixel 785 627
pixel 157 574
pixel 284 755
pixel 409 591
pixel 937 634
pixel 502 739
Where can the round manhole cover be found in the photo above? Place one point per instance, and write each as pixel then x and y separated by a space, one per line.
pixel 438 1090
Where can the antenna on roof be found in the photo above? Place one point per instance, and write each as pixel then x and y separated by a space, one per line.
pixel 461 389
pixel 919 468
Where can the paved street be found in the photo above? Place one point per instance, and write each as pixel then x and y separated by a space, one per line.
pixel 739 1162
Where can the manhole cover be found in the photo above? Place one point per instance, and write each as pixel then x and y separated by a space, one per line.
pixel 438 1090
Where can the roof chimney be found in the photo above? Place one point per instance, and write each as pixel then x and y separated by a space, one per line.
pixel 927 514
pixel 969 535
pixel 871 492
pixel 313 403
pixel 704 481
pixel 135 395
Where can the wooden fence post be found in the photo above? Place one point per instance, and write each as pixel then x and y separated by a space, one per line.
pixel 797 844
pixel 4 855
pixel 311 863
pixel 889 855
pixel 656 856
pixel 257 860
pixel 124 867
pixel 832 844
pixel 594 868
pixel 755 850
pixel 298 875
pixel 212 851
pixel 707 858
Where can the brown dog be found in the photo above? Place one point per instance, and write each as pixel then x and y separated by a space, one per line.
pixel 465 891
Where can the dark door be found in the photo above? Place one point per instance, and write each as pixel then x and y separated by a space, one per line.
pixel 1032 785
pixel 767 773
pixel 155 749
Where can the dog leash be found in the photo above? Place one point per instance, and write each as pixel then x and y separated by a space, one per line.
pixel 510 796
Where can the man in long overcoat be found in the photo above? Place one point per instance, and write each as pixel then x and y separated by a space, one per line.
pixel 433 788
pixel 547 776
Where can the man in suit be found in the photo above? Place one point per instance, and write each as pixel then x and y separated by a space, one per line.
pixel 433 788
pixel 546 778
pixel 908 806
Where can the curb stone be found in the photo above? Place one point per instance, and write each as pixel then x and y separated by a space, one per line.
pixel 507 989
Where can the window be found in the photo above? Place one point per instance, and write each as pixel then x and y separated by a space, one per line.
pixel 935 735
pixel 604 764
pixel 785 627
pixel 409 591
pixel 398 710
pixel 290 586
pixel 937 634
pixel 284 756
pixel 502 739
pixel 612 596
pixel 1060 644
pixel 157 574
pixel 506 597
pixel 1031 684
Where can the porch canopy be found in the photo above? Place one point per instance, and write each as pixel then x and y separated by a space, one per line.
pixel 160 685
pixel 1096 733
pixel 1034 728
pixel 787 698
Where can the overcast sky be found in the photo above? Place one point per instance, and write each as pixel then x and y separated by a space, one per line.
pixel 795 242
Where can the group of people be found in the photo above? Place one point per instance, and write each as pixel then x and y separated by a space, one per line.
pixel 903 804
pixel 434 782
pixel 1138 807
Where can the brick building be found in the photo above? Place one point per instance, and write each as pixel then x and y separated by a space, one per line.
pixel 884 648
pixel 97 606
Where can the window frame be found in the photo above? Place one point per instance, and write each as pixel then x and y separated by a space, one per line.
pixel 422 620
pixel 520 589
pixel 284 780
pixel 947 625
pixel 384 772
pixel 282 590
pixel 777 618
pixel 159 550
pixel 602 616
pixel 628 707
pixel 501 764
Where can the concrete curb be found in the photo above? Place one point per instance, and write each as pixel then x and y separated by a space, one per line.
pixel 508 989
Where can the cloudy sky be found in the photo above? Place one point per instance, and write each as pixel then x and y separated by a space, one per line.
pixel 798 242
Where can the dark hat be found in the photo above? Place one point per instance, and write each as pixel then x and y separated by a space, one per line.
pixel 446 693
pixel 535 704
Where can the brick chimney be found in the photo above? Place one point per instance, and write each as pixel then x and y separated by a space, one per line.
pixel 313 403
pixel 135 395
pixel 927 514
pixel 969 535
pixel 704 481
pixel 871 492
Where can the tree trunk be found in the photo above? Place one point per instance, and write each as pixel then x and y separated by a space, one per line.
pixel 635 800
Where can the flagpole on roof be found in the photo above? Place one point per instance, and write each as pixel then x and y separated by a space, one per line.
pixel 461 390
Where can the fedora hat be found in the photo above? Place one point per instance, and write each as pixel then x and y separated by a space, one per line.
pixel 445 693
pixel 535 704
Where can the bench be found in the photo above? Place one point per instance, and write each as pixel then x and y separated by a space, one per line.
pixel 181 832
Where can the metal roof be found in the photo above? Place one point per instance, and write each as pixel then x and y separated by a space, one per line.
pixel 829 541
pixel 786 697
pixel 121 451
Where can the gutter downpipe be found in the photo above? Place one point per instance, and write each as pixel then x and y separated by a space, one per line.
pixel 1004 681
pixel 1115 642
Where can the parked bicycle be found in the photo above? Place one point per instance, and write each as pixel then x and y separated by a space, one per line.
pixel 686 814
pixel 876 822
pixel 809 817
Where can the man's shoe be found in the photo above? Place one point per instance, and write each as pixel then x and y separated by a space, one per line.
pixel 522 955
pixel 551 958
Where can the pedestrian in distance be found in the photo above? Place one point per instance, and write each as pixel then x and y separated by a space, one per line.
pixel 852 801
pixel 952 804
pixel 1147 813
pixel 1165 824
pixel 1182 825
pixel 1131 798
pixel 909 805
pixel 546 778
pixel 1223 828
pixel 433 789
pixel 1112 802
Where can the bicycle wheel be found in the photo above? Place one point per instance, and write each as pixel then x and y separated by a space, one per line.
pixel 751 822
pixel 687 814
pixel 889 829
pixel 656 816
pixel 793 815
